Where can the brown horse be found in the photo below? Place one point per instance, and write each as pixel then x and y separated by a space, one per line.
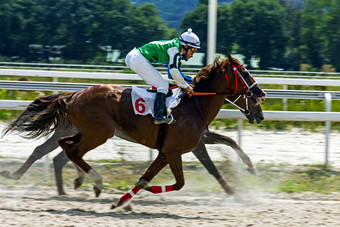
pixel 245 105
pixel 101 111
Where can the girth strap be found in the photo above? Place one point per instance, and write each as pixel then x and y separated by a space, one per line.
pixel 161 137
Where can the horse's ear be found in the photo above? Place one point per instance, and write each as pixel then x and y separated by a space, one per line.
pixel 230 57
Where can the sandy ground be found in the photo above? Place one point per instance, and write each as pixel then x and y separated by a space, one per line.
pixel 39 206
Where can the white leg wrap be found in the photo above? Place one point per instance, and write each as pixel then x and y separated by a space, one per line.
pixel 131 193
pixel 96 178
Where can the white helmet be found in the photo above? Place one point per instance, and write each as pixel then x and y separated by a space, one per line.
pixel 189 38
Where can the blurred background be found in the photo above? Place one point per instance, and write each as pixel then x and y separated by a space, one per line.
pixel 279 34
pixel 289 39
pixel 273 35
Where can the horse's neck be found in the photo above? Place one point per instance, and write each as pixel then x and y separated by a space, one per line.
pixel 211 104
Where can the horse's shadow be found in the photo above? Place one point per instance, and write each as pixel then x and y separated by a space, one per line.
pixel 108 201
pixel 117 213
pixel 128 215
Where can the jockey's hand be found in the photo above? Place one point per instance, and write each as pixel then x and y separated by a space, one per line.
pixel 189 90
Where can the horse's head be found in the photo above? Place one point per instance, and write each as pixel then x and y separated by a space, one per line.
pixel 247 107
pixel 243 80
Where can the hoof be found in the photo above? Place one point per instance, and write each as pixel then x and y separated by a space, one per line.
pixel 119 204
pixel 113 206
pixel 252 171
pixel 97 191
pixel 62 193
pixel 78 182
pixel 6 174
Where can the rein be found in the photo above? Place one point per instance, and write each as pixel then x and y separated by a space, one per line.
pixel 217 93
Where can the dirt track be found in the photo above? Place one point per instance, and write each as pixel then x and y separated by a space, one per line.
pixel 38 206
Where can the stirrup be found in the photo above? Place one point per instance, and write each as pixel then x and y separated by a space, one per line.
pixel 163 120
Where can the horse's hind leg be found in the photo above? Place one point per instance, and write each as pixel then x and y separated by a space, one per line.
pixel 81 176
pixel 214 138
pixel 78 145
pixel 40 151
pixel 59 162
pixel 201 153
pixel 61 159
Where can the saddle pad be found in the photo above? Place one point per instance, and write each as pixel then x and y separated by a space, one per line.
pixel 143 101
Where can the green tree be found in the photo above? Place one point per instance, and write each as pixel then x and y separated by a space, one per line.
pixel 292 24
pixel 17 24
pixel 311 33
pixel 332 34
pixel 259 30
pixel 143 25
pixel 197 20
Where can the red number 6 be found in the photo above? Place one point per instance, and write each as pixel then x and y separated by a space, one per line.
pixel 140 107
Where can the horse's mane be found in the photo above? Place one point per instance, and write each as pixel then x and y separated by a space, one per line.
pixel 207 73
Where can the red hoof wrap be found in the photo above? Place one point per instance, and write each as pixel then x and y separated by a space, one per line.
pixel 127 196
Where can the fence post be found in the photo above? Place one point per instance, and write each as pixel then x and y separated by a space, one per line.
pixel 284 100
pixel 47 165
pixel 328 103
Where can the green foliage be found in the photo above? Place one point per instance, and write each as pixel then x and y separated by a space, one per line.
pixel 172 11
pixel 258 30
pixel 278 33
pixel 314 179
pixel 294 179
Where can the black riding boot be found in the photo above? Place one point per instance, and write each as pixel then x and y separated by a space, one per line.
pixel 159 108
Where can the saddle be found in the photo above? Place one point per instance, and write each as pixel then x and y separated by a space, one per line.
pixel 170 93
pixel 143 100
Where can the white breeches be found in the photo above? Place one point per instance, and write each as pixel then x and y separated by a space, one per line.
pixel 140 65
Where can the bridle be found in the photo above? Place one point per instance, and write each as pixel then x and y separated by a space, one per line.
pixel 244 84
pixel 246 94
pixel 245 110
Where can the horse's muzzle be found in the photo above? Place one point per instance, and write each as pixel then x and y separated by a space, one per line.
pixel 261 98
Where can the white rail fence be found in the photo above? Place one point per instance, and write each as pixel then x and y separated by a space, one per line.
pixel 326 116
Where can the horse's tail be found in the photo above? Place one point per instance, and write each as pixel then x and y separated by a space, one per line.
pixel 41 117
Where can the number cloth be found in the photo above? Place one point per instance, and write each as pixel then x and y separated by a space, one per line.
pixel 142 100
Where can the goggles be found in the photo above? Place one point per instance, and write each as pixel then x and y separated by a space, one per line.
pixel 193 49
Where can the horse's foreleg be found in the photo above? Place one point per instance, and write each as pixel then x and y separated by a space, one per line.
pixel 201 153
pixel 157 165
pixel 214 138
pixel 175 163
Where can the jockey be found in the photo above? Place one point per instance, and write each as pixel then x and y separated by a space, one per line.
pixel 169 52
